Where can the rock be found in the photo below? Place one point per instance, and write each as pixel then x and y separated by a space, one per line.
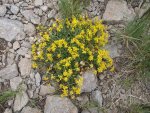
pixel 28 109
pixel 30 16
pixel 38 2
pixel 30 93
pixel 14 9
pixel 16 45
pixel 29 29
pixel 22 51
pixel 26 44
pixel 52 13
pixel 11 29
pixel 8 110
pixel 117 10
pixel 10 58
pixel 113 50
pixel 3 10
pixel 89 81
pixel 9 72
pixel 38 79
pixel 97 97
pixel 56 104
pixel 45 90
pixel 25 66
pixel 44 8
pixel 14 83
pixel 16 1
pixel 21 100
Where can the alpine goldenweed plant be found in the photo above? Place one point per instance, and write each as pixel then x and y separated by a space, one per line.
pixel 68 48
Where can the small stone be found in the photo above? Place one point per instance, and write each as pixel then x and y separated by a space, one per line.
pixel 21 100
pixel 89 81
pixel 117 10
pixel 29 29
pixel 14 83
pixel 8 110
pixel 22 51
pixel 31 16
pixel 30 93
pixel 45 90
pixel 14 9
pixel 44 8
pixel 38 2
pixel 52 14
pixel 11 29
pixel 16 45
pixel 25 66
pixel 10 58
pixel 3 10
pixel 56 104
pixel 28 109
pixel 10 102
pixel 9 72
pixel 38 79
pixel 97 97
pixel 16 1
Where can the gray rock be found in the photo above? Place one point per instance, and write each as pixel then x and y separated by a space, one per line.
pixel 29 29
pixel 16 1
pixel 11 29
pixel 22 51
pixel 26 44
pixel 38 2
pixel 14 83
pixel 3 10
pixel 52 13
pixel 14 9
pixel 97 97
pixel 25 66
pixel 9 72
pixel 21 100
pixel 44 8
pixel 8 110
pixel 45 90
pixel 16 45
pixel 89 81
pixel 56 104
pixel 117 10
pixel 30 16
pixel 113 50
pixel 10 58
pixel 38 79
pixel 28 109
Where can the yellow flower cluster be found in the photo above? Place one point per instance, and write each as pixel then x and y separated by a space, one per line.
pixel 69 47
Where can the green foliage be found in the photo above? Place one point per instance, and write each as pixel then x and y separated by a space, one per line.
pixel 136 108
pixel 69 8
pixel 4 96
pixel 137 40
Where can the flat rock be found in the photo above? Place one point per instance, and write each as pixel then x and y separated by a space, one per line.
pixel 8 110
pixel 45 90
pixel 14 83
pixel 97 97
pixel 37 79
pixel 56 104
pixel 3 10
pixel 31 16
pixel 117 10
pixel 14 9
pixel 16 45
pixel 28 109
pixel 38 2
pixel 9 72
pixel 21 100
pixel 89 81
pixel 25 66
pixel 11 29
pixel 10 58
pixel 29 29
pixel 22 51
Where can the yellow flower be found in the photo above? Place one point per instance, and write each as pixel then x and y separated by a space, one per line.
pixel 49 57
pixel 34 65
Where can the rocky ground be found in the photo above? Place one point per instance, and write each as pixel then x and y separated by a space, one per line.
pixel 18 19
